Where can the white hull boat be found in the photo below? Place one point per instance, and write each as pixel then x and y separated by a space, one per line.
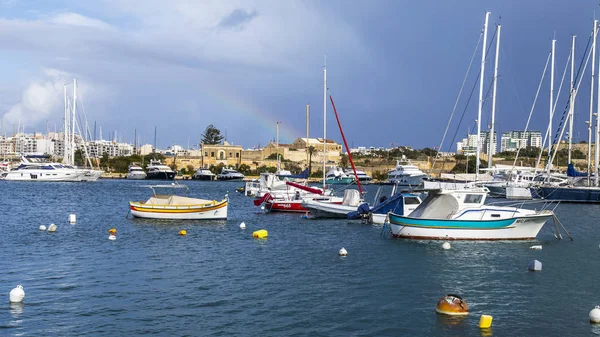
pixel 462 215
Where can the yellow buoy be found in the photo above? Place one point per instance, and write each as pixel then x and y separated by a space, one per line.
pixel 112 231
pixel 260 234
pixel 485 321
pixel 183 232
pixel 452 305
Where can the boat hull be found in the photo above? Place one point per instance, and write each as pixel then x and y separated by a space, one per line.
pixel 230 178
pixel 162 175
pixel 516 228
pixel 285 206
pixel 568 194
pixel 216 211
pixel 328 210
pixel 136 176
pixel 202 177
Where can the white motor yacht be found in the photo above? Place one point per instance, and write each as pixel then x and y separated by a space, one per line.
pixel 135 172
pixel 203 174
pixel 230 174
pixel 158 170
pixel 406 174
pixel 28 171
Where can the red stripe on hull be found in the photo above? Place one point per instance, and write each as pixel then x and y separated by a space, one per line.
pixel 286 206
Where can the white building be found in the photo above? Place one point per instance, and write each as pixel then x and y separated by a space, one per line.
pixel 146 149
pixel 513 140
pixel 469 145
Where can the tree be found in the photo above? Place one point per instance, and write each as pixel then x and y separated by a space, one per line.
pixel 244 169
pixel 311 150
pixel 345 160
pixel 212 135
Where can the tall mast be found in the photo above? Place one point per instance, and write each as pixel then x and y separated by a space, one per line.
pixel 307 126
pixel 66 150
pixel 492 148
pixel 324 119
pixel 478 147
pixel 551 109
pixel 596 149
pixel 571 97
pixel 72 159
pixel 277 144
pixel 590 121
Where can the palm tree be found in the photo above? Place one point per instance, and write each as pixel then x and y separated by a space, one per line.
pixel 311 150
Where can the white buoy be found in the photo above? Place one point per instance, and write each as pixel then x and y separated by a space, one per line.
pixel 243 225
pixel 52 228
pixel 17 294
pixel 446 245
pixel 112 237
pixel 262 207
pixel 42 227
pixel 72 218
pixel 343 252
pixel 536 247
pixel 535 265
pixel 595 315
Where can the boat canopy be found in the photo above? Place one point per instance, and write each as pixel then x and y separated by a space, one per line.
pixel 436 206
pixel 571 172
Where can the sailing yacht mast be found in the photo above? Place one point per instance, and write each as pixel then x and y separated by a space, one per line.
pixel 596 149
pixel 590 121
pixel 324 120
pixel 66 130
pixel 72 159
pixel 549 165
pixel 492 148
pixel 277 145
pixel 571 98
pixel 478 147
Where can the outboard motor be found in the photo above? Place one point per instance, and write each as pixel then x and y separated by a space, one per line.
pixel 362 209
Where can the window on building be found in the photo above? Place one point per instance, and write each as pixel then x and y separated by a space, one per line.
pixel 206 154
pixel 212 154
pixel 237 155
pixel 230 155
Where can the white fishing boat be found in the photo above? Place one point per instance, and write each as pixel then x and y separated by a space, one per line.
pixel 463 215
pixel 135 172
pixel 171 206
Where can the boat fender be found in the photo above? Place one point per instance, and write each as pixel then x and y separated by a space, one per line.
pixel 260 234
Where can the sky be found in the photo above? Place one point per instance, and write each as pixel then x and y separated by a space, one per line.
pixel 394 68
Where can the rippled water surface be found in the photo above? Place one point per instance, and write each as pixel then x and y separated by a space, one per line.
pixel 218 281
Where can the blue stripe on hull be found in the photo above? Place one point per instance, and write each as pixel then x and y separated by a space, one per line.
pixel 451 224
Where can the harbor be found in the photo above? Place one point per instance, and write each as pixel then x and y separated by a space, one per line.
pixel 386 170
pixel 150 278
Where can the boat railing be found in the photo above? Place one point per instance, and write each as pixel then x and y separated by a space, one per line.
pixel 546 204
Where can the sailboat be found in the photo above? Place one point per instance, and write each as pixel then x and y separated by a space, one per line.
pixel 583 187
pixel 352 198
pixel 36 170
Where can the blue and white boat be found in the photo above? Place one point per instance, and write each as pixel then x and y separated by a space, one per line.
pixel 463 215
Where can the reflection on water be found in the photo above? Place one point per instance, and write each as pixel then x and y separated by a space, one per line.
pixel 16 310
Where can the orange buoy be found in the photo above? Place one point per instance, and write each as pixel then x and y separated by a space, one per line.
pixel 112 231
pixel 452 305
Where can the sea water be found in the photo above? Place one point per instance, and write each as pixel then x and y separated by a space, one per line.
pixel 219 281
